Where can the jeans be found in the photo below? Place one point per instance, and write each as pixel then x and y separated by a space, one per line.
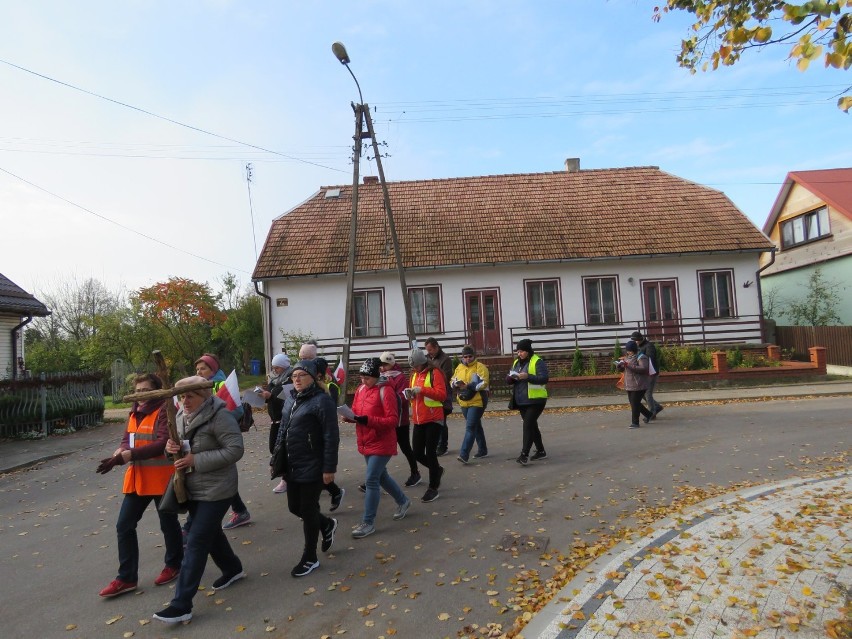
pixel 424 442
pixel 303 501
pixel 532 435
pixel 636 407
pixel 653 405
pixel 403 438
pixel 131 512
pixel 205 538
pixel 473 431
pixel 377 475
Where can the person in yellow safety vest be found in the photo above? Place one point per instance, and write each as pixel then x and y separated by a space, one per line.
pixel 527 378
pixel 146 478
pixel 426 392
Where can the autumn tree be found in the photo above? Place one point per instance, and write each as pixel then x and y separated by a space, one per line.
pixel 724 29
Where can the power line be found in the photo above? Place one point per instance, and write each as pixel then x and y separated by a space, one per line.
pixel 119 224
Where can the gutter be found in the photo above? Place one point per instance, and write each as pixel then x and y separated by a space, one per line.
pixel 15 345
pixel 760 290
pixel 267 327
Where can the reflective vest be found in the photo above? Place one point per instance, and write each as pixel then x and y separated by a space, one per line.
pixel 534 391
pixel 431 403
pixel 146 476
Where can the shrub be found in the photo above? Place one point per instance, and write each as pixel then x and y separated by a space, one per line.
pixel 577 364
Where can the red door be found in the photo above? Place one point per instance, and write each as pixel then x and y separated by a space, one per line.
pixel 662 315
pixel 482 312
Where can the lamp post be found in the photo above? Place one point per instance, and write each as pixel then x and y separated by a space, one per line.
pixel 362 118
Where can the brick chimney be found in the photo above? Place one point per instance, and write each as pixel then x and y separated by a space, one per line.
pixel 572 165
pixel 371 179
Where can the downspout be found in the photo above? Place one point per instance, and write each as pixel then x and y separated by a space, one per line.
pixel 15 345
pixel 267 327
pixel 760 291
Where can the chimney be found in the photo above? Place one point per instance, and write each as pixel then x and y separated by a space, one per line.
pixel 371 179
pixel 572 165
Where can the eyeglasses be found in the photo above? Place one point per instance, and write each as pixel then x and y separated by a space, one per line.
pixel 300 376
pixel 144 390
pixel 467 356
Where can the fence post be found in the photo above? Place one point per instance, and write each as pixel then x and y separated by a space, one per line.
pixel 818 358
pixel 720 363
pixel 42 396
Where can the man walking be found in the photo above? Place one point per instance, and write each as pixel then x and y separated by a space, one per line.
pixel 649 350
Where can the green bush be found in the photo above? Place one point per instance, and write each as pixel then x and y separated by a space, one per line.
pixel 577 364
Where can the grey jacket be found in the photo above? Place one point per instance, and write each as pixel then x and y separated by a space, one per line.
pixel 635 372
pixel 217 444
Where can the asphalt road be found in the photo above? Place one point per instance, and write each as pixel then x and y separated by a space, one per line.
pixel 450 565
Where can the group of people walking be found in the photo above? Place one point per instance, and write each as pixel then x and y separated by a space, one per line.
pixel 304 438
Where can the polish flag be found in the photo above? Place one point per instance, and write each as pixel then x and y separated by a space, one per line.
pixel 230 391
pixel 339 373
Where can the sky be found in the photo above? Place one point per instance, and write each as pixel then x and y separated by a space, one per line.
pixel 126 127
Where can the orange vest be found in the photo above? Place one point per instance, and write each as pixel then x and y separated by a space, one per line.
pixel 146 476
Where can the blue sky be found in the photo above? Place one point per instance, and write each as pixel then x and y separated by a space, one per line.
pixel 457 89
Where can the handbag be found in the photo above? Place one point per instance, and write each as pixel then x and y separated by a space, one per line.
pixel 278 462
pixel 169 502
pixel 620 383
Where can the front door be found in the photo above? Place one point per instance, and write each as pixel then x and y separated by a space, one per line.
pixel 662 316
pixel 482 312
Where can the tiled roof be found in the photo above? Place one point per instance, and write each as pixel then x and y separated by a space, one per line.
pixel 497 219
pixel 14 299
pixel 832 186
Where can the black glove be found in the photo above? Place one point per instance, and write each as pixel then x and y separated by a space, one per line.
pixel 361 419
pixel 106 464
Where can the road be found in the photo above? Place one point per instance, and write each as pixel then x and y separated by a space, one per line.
pixel 451 565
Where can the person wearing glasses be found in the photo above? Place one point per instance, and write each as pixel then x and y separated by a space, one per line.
pixel 148 473
pixel 310 437
pixel 470 382
pixel 528 377
pixel 212 436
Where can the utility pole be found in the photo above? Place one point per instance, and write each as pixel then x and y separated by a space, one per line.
pixel 251 208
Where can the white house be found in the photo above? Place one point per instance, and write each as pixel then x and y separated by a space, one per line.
pixel 17 309
pixel 577 257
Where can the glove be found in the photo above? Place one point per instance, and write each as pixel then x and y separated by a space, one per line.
pixel 106 464
pixel 361 419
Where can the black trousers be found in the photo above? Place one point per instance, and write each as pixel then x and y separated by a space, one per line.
pixel 636 406
pixel 532 435
pixel 424 441
pixel 303 501
pixel 403 438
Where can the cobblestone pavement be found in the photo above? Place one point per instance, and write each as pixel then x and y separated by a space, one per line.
pixel 771 562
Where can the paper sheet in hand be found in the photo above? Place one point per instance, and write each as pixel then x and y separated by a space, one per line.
pixel 345 412
pixel 285 393
pixel 253 399
pixel 514 374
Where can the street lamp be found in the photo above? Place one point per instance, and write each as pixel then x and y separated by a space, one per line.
pixel 362 117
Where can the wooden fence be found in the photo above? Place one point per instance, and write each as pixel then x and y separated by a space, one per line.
pixel 837 341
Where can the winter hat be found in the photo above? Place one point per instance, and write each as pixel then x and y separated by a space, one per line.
pixel 281 360
pixel 525 345
pixel 371 367
pixel 191 381
pixel 636 336
pixel 631 347
pixel 307 365
pixel 468 350
pixel 322 366
pixel 388 358
pixel 211 360
pixel 416 358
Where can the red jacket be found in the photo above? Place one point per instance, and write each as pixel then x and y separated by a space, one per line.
pixel 433 386
pixel 378 435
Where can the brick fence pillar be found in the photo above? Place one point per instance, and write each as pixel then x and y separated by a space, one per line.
pixel 773 353
pixel 720 363
pixel 818 358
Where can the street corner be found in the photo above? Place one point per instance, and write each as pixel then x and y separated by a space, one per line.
pixel 770 558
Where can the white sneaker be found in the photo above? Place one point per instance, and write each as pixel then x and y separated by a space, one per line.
pixel 280 488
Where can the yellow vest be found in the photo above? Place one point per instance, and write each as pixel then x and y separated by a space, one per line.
pixel 534 391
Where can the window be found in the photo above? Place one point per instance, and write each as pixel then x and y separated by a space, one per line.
pixel 425 302
pixel 367 314
pixel 717 294
pixel 542 303
pixel 805 228
pixel 601 296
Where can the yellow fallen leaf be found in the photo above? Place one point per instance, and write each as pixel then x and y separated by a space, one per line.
pixel 240 628
pixel 144 622
pixel 807 592
pixel 128 634
pixel 492 593
pixel 270 628
pixel 71 626
pixel 700 573
pixel 114 619
pixel 443 616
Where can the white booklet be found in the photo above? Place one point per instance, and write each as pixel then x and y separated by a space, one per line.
pixel 514 374
pixel 345 412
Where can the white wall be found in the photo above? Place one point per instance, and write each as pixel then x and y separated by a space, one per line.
pixel 7 323
pixel 316 305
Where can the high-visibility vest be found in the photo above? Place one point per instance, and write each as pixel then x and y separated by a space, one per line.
pixel 428 401
pixel 534 391
pixel 146 476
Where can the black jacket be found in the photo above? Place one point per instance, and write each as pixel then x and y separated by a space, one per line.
pixel 275 405
pixel 649 350
pixel 310 433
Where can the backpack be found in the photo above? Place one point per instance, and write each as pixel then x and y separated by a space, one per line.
pixel 247 420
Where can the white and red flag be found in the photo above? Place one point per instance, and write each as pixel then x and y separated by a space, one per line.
pixel 339 374
pixel 230 391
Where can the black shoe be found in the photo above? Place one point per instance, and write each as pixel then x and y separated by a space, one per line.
pixel 226 580
pixel 431 494
pixel 328 535
pixel 413 480
pixel 362 488
pixel 336 499
pixel 305 567
pixel 480 455
pixel 441 452
pixel 523 459
pixel 658 409
pixel 173 615
pixel 539 454
pixel 648 418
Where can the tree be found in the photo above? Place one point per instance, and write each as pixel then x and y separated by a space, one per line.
pixel 76 305
pixel 724 29
pixel 819 307
pixel 240 336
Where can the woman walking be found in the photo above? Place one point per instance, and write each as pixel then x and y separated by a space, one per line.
pixel 470 381
pixel 527 378
pixel 275 404
pixel 635 368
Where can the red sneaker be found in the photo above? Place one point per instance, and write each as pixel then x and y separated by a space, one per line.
pixel 118 587
pixel 167 576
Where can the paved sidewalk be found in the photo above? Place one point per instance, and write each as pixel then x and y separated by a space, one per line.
pixel 773 561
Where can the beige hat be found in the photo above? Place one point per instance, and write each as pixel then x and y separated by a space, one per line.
pixel 193 381
pixel 388 358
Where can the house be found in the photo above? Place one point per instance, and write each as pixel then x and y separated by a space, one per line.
pixel 574 257
pixel 17 309
pixel 811 226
